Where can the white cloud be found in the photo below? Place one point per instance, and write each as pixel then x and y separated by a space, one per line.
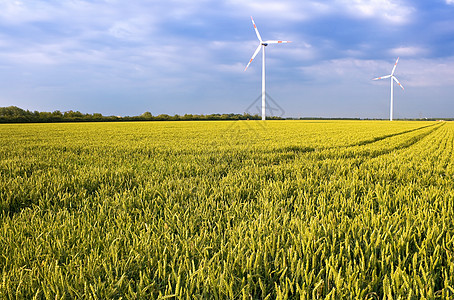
pixel 429 72
pixel 233 68
pixel 177 48
pixel 29 58
pixel 411 72
pixel 300 52
pixel 287 10
pixel 135 29
pixel 75 32
pixel 409 51
pixel 339 71
pixel 393 11
pixel 216 45
pixel 179 9
pixel 14 12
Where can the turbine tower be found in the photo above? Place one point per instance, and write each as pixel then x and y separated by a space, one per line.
pixel 393 78
pixel 262 45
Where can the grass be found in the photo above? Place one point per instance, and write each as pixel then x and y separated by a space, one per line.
pixel 285 209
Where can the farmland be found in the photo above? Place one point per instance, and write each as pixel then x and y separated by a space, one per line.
pixel 285 209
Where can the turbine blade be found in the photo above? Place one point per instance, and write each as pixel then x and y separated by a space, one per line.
pixel 383 77
pixel 276 42
pixel 397 81
pixel 394 68
pixel 256 30
pixel 253 56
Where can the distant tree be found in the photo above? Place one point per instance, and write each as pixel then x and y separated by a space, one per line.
pixel 12 111
pixel 163 117
pixel 73 114
pixel 97 117
pixel 45 116
pixel 147 115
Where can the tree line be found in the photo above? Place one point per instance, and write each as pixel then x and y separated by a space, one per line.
pixel 14 114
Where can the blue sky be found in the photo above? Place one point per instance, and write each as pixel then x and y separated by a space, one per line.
pixel 184 56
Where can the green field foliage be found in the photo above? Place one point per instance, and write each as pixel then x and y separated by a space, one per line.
pixel 227 210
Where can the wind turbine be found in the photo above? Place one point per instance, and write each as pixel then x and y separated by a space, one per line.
pixel 393 78
pixel 262 45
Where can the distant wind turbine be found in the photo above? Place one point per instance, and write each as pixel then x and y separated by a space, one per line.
pixel 393 78
pixel 262 45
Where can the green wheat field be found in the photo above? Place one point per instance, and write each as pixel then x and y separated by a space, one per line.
pixel 227 210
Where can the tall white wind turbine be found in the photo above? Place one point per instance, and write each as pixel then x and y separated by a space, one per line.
pixel 393 78
pixel 262 45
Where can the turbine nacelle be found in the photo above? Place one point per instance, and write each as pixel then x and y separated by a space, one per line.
pixel 262 43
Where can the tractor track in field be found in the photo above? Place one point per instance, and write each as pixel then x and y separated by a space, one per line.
pixel 294 152
pixel 408 143
pixel 380 138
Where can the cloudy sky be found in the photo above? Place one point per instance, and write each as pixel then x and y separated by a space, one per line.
pixel 188 56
